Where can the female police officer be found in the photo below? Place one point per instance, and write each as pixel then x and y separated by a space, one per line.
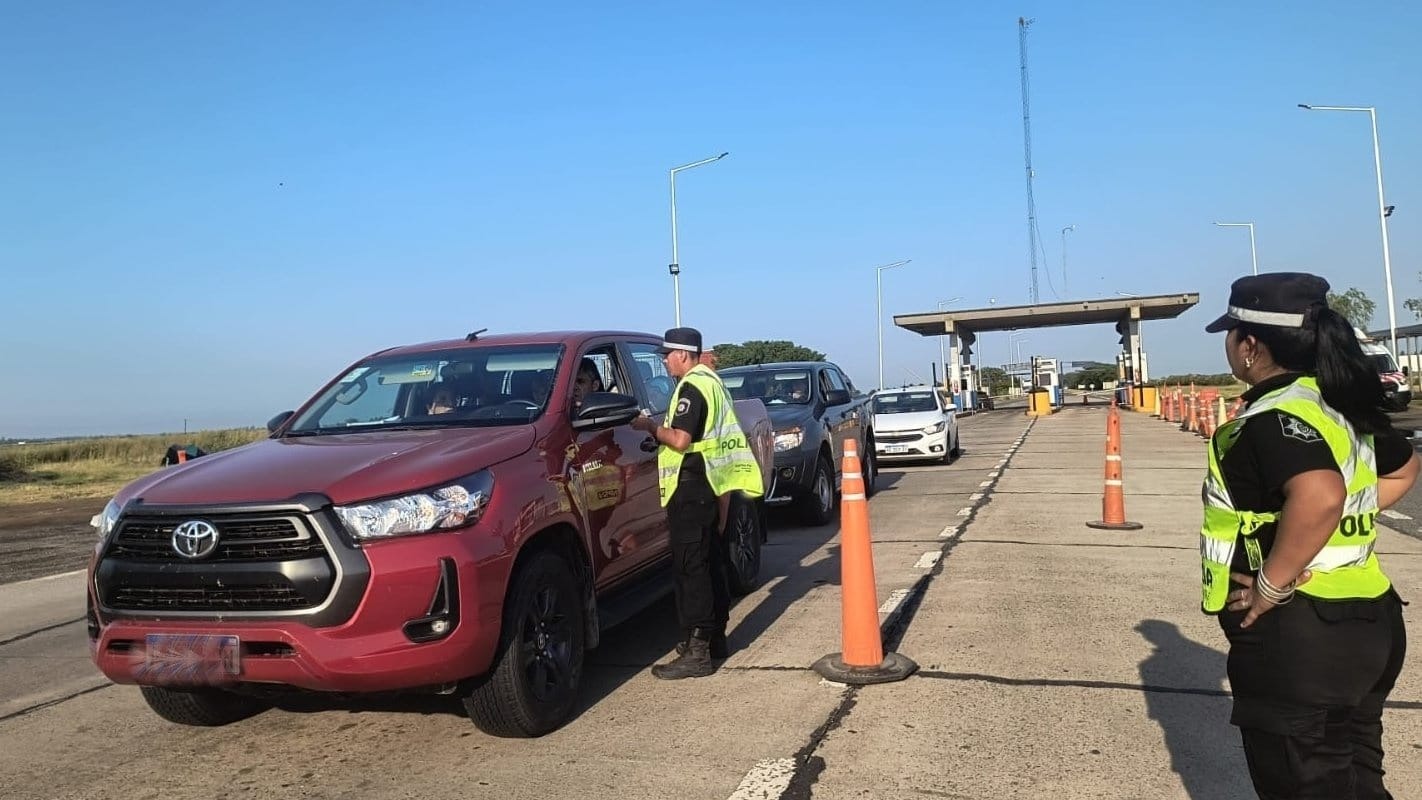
pixel 1291 500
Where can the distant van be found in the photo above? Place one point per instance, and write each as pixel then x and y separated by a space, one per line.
pixel 1397 390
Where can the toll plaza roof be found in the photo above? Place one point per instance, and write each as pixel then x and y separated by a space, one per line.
pixel 1047 315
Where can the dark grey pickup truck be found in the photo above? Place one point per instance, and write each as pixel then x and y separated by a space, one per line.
pixel 814 410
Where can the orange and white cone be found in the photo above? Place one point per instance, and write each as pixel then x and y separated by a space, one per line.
pixel 1113 498
pixel 862 659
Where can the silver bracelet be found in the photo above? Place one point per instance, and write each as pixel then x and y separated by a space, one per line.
pixel 1272 593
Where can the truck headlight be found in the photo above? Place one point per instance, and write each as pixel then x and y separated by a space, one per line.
pixel 788 439
pixel 936 427
pixel 104 521
pixel 453 506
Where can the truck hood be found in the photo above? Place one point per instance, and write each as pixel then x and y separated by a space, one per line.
pixel 346 467
pixel 789 415
pixel 911 421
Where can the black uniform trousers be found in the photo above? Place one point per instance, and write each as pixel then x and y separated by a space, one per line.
pixel 1309 680
pixel 702 597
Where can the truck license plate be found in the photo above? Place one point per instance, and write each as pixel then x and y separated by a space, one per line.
pixel 895 448
pixel 195 659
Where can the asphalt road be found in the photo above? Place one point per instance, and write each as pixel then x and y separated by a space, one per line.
pixel 65 732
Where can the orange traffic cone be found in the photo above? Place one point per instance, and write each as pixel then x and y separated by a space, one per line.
pixel 863 659
pixel 1113 499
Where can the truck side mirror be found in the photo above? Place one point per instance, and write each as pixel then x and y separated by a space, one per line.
pixel 605 410
pixel 836 397
pixel 278 421
pixel 1406 370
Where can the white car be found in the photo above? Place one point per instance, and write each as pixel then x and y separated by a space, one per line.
pixel 916 422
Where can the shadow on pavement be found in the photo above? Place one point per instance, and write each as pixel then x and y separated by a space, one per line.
pixel 1184 683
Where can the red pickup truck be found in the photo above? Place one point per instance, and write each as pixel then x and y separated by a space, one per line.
pixel 446 517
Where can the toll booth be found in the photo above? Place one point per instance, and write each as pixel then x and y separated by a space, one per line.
pixel 968 395
pixel 1047 375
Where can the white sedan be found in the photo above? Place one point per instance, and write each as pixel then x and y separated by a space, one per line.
pixel 916 422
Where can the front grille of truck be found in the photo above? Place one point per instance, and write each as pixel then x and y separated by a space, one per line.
pixel 251 539
pixel 262 563
pixel 263 597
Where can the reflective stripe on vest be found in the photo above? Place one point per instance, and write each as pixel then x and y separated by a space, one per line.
pixel 1346 567
pixel 730 464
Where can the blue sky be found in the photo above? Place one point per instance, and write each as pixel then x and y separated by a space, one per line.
pixel 208 210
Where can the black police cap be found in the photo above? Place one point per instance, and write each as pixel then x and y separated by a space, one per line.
pixel 687 339
pixel 1280 299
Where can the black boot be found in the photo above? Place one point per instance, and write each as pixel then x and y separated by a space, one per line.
pixel 719 648
pixel 695 662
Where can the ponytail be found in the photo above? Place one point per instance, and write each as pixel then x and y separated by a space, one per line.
pixel 1348 381
pixel 1327 348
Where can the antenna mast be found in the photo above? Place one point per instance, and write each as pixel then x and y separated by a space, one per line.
pixel 1022 23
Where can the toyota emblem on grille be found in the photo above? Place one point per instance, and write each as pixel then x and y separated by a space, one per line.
pixel 195 539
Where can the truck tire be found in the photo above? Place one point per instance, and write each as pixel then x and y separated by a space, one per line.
pixel 871 468
pixel 817 507
pixel 533 686
pixel 201 706
pixel 743 539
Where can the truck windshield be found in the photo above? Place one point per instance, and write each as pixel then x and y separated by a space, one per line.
pixel 1383 362
pixel 774 387
pixel 484 386
pixel 904 403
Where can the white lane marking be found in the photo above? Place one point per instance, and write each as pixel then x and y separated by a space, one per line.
pixel 895 598
pixel 768 779
pixel 948 532
pixel 984 484
pixel 963 512
pixel 995 473
pixel 929 559
pixel 975 496
pixel 823 682
pixel 1390 514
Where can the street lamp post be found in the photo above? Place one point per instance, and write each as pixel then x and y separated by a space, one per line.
pixel 1253 255
pixel 1014 348
pixel 1064 233
pixel 879 309
pixel 1382 209
pixel 675 266
pixel 942 357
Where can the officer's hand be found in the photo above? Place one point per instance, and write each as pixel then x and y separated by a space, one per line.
pixel 1247 598
pixel 643 423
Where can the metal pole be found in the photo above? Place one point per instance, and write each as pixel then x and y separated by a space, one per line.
pixel 1382 221
pixel 879 318
pixel 675 267
pixel 1064 256
pixel 879 310
pixel 1382 210
pixel 675 262
pixel 1253 254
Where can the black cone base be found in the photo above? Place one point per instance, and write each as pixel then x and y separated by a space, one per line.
pixel 894 668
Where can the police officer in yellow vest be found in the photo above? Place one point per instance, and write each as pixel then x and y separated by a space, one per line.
pixel 703 456
pixel 1292 498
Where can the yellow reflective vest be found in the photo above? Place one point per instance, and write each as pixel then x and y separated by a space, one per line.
pixel 730 464
pixel 1346 568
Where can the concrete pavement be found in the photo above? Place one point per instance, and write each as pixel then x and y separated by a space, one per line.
pixel 1057 661
pixel 1060 661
